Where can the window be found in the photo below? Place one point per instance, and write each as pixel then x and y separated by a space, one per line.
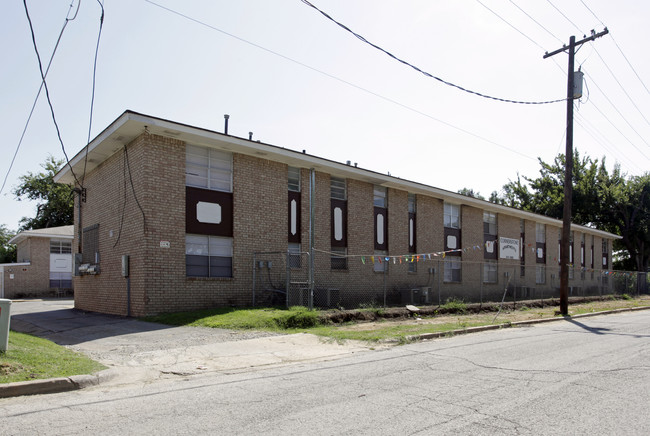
pixel 294 179
pixel 540 233
pixel 490 235
pixel 540 275
pixel 605 254
pixel 411 226
pixel 490 272
pixel 339 258
pixel 490 223
pixel 540 243
pixel 381 261
pixel 452 270
pixel 411 203
pixel 380 196
pixel 208 256
pixel 413 266
pixel 60 247
pixel 452 216
pixel 208 168
pixel 90 245
pixel 337 188
pixel 295 257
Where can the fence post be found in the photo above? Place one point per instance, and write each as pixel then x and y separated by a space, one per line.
pixel 254 276
pixel 288 278
pixel 440 273
pixel 480 278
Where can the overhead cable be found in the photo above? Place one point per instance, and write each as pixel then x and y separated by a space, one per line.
pixel 390 100
pixel 618 47
pixel 361 38
pixel 47 92
pixel 92 95
pixel 40 88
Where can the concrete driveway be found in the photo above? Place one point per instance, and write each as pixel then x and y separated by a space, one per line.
pixel 139 351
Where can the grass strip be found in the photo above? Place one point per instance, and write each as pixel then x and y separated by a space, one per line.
pixel 32 358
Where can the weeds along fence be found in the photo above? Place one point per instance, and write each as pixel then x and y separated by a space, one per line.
pixel 331 280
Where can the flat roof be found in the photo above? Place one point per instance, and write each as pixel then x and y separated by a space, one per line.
pixel 130 125
pixel 62 232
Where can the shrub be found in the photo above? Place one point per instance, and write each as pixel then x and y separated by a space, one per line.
pixel 297 317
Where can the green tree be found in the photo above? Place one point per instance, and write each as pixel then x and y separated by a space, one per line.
pixel 611 202
pixel 7 252
pixel 627 213
pixel 55 205
pixel 468 192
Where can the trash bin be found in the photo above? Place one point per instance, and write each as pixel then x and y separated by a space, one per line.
pixel 5 315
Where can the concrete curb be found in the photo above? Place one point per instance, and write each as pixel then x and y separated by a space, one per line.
pixel 516 324
pixel 55 385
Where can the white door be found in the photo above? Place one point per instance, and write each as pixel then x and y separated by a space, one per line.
pixel 60 269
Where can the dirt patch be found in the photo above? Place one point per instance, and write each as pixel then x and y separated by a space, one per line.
pixel 369 319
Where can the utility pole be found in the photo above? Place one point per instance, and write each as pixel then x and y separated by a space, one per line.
pixel 568 173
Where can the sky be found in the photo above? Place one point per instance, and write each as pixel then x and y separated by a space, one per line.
pixel 295 79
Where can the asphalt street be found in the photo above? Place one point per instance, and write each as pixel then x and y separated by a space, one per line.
pixel 587 376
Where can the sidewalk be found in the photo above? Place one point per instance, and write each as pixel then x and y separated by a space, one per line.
pixel 137 351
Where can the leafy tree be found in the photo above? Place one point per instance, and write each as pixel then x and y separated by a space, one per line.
pixel 627 213
pixel 611 202
pixel 55 201
pixel 7 252
pixel 470 193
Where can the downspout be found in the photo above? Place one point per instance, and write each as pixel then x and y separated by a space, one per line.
pixel 312 182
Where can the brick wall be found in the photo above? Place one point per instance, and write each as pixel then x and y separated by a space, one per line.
pixel 158 281
pixel 31 280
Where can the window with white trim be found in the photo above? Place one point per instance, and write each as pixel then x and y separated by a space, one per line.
pixel 452 216
pixel 338 258
pixel 452 273
pixel 337 188
pixel 208 168
pixel 490 272
pixel 489 223
pixel 208 256
pixel 540 275
pixel 381 261
pixel 294 179
pixel 60 247
pixel 295 257
pixel 380 196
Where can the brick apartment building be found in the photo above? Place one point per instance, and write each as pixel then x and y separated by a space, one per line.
pixel 205 219
pixel 43 267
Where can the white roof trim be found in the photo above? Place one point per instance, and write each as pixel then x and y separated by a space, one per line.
pixel 130 125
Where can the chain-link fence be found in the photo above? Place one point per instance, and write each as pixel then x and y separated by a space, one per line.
pixel 330 280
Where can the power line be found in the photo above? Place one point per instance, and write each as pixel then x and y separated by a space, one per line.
pixel 92 98
pixel 582 119
pixel 621 86
pixel 47 92
pixel 38 94
pixel 534 20
pixel 618 47
pixel 617 129
pixel 360 88
pixel 562 13
pixel 616 109
pixel 509 24
pixel 362 39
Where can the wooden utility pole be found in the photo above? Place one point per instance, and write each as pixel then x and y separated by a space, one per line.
pixel 568 173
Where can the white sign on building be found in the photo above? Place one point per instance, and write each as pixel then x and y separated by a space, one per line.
pixel 508 248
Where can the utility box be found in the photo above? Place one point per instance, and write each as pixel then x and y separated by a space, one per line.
pixel 5 316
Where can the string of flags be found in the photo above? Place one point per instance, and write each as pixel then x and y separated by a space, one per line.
pixel 410 258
